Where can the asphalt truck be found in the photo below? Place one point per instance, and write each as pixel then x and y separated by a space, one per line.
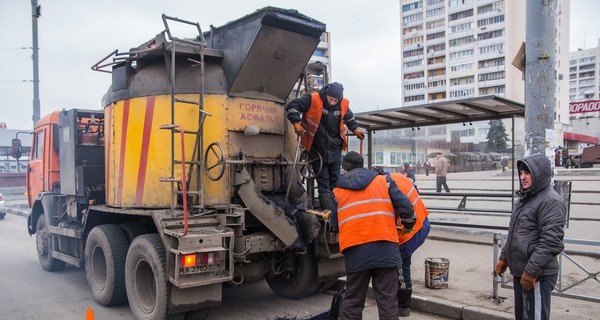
pixel 189 177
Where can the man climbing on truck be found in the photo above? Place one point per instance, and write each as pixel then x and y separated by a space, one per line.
pixel 320 119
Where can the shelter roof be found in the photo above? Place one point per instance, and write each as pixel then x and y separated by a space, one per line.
pixel 446 112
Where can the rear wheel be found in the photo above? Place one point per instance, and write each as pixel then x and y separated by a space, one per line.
pixel 133 230
pixel 298 278
pixel 42 240
pixel 146 279
pixel 105 254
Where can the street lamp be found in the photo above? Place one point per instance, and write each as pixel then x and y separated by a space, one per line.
pixel 36 12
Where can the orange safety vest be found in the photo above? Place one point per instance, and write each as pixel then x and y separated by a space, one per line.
pixel 408 188
pixel 312 118
pixel 366 215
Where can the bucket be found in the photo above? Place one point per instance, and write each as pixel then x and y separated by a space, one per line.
pixel 436 273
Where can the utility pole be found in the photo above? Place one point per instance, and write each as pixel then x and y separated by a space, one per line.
pixel 540 77
pixel 36 12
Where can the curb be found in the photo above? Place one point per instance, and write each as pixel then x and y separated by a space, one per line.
pixel 446 308
pixel 18 212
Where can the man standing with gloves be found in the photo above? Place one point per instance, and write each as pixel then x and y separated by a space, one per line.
pixel 321 119
pixel 367 209
pixel 535 238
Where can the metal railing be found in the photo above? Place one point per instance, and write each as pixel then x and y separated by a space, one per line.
pixel 568 284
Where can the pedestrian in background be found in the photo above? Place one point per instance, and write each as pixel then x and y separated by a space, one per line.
pixel 367 208
pixel 427 166
pixel 535 238
pixel 324 115
pixel 410 174
pixel 441 170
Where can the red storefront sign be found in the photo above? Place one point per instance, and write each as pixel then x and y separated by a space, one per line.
pixel 584 106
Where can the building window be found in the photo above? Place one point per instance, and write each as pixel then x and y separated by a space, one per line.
pixel 461 41
pixel 435 12
pixel 491 76
pixel 412 6
pixel 436 23
pixel 492 20
pixel 462 54
pixel 491 34
pixel 378 158
pixel 460 15
pixel 461 66
pixel 461 27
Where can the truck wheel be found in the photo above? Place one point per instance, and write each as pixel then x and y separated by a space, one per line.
pixel 42 240
pixel 299 282
pixel 133 230
pixel 201 314
pixel 146 279
pixel 105 254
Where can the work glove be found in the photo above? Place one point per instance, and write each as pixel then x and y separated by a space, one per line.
pixel 404 230
pixel 298 128
pixel 501 267
pixel 359 134
pixel 527 281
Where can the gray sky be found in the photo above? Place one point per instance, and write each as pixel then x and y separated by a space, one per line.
pixel 75 34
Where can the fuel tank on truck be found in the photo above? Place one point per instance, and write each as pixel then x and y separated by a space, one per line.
pixel 250 67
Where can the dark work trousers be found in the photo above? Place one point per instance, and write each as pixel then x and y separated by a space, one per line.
pixel 385 288
pixel 439 181
pixel 534 304
pixel 328 176
pixel 406 272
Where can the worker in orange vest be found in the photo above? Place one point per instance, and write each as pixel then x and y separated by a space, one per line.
pixel 368 209
pixel 409 242
pixel 321 119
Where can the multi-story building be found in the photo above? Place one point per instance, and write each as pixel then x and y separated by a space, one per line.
pixel 583 75
pixel 456 49
pixel 584 97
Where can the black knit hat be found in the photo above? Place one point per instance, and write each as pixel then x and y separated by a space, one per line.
pixel 335 90
pixel 523 167
pixel 352 160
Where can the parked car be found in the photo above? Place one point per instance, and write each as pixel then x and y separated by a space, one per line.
pixel 2 207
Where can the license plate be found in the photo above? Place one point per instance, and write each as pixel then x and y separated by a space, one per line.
pixel 197 269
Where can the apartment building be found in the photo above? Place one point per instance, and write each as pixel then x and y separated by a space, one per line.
pixel 584 97
pixel 456 49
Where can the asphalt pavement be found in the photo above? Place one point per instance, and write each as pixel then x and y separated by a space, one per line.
pixel 469 294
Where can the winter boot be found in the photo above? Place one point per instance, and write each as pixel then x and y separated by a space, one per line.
pixel 336 304
pixel 404 296
pixel 325 201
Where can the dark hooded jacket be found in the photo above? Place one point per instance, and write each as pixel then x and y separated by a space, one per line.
pixel 378 254
pixel 328 141
pixel 536 228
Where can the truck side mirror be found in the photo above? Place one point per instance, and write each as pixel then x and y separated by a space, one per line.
pixel 16 148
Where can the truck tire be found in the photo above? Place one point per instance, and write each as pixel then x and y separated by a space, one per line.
pixel 300 282
pixel 133 230
pixel 105 254
pixel 42 240
pixel 146 279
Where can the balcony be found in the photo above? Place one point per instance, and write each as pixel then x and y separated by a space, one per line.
pixel 490 69
pixel 436 89
pixel 413 80
pixel 492 83
pixel 436 65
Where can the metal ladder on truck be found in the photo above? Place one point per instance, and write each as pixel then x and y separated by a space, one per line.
pixel 195 163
